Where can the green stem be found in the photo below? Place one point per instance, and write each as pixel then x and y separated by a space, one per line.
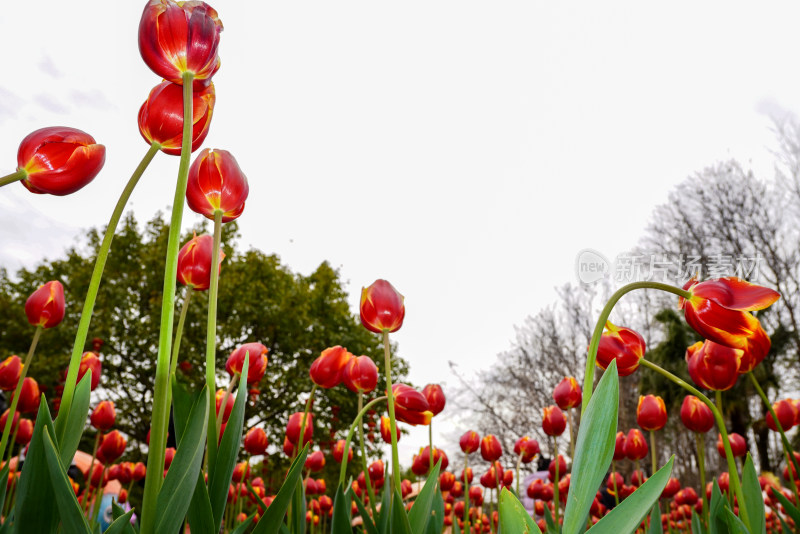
pixel 231 385
pixel 430 447
pixel 588 383
pixel 91 466
pixel 516 475
pixel 466 493
pixel 787 447
pixel 303 421
pixel 701 464
pixel 718 400
pixel 211 340
pixel 176 345
pixel 370 491
pixel 98 496
pixel 614 474
pixel 160 415
pixel 653 453
pixel 19 174
pixel 356 422
pixel 387 357
pixel 15 399
pixel 571 435
pixel 735 484
pixel 91 293
pixel 556 479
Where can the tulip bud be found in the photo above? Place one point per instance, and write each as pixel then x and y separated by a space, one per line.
pixel 104 415
pixel 59 160
pixel 180 37
pixel 651 413
pixel 257 354
pixel 24 432
pixel 490 448
pixel 90 362
pixel 567 393
pixel 470 442
pixel 255 442
pixel 695 415
pixel 622 344
pixel 410 405
pixel 112 447
pixel 338 451
pixel 327 369
pixel 713 366
pixel 45 306
pixel 315 461
pixel 787 415
pixel 10 371
pixel 553 421
pixel 216 183
pixel 619 446
pixel 382 307
pixel 635 445
pixel 435 396
pixel 194 262
pixel 161 116
pixel 360 374
pixel 293 428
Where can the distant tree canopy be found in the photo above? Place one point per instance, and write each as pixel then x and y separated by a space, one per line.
pixel 260 300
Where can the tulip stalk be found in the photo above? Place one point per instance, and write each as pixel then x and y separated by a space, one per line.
pixel 356 421
pixel 15 399
pixel 588 383
pixel 16 176
pixel 516 475
pixel 160 417
pixel 303 421
pixel 653 453
pixel 370 491
pixel 392 421
pixel 734 475
pixel 701 465
pixel 211 341
pixel 466 492
pixel 571 435
pixel 614 475
pixel 91 293
pixel 176 345
pixel 556 497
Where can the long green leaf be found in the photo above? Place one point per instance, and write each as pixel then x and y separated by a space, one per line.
pixel 400 524
pixel 178 487
pixel 513 516
pixel 221 472
pixel 697 526
pixel 629 514
pixel 718 524
pixel 72 518
pixel 791 510
pixel 386 507
pixel 340 522
pixel 436 523
pixel 76 420
pixel 549 521
pixel 655 521
pixel 4 487
pixel 35 509
pixel 594 450
pixel 244 525
pixel 421 509
pixel 366 519
pixel 271 521
pixel 182 402
pixel 199 515
pixel 735 525
pixel 753 498
pixel 122 520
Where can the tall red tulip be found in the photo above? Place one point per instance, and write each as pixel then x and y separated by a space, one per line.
pixel 695 415
pixel 216 182
pixel 161 116
pixel 568 393
pixel 293 428
pixel 651 413
pixel 90 362
pixel 738 445
pixel 410 405
pixel 338 451
pixel 10 371
pixel 104 415
pixel 491 450
pixel 622 344
pixel 326 371
pixel 553 421
pixel 28 396
pixel 787 415
pixel 59 160
pixel 435 397
pixel 257 358
pixel 635 445
pixel 180 37
pixel 112 447
pixel 713 366
pixel 382 307
pixel 256 442
pixel 470 442
pixel 45 306
pixel 360 374
pixel 194 262
pixel 526 447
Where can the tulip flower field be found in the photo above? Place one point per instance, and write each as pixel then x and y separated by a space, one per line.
pixel 210 482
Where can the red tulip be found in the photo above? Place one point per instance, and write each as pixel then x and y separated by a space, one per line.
pixel 219 398
pixel 59 160
pixel 216 183
pixel 614 481
pixel 406 487
pixel 385 428
pixel 410 406
pixel 686 496
pixel 338 451
pixel 376 470
pixel 435 397
pixel 241 472
pixel 553 421
pixel 104 415
pixel 651 413
pixel 468 473
pixel 161 116
pixel 257 358
pixel 438 454
pixel 622 344
pixel 180 37
pixel 256 442
pixel 447 480
pixel 10 371
pixel 673 486
pixel 28 396
pixel 635 445
pixel 695 415
pixel 325 504
pixel 718 310
pixel 382 307
pixel 527 448
pixel 638 478
pixel 315 461
pixel 562 468
pixel 787 415
pixel 738 445
pixel 470 442
pixel 24 432
pixel 139 471
pixel 567 393
pixel 293 428
pixel 619 446
pixel 713 366
pixel 4 420
pixel 194 262
pixel 360 374
pixel 491 450
pixel 90 362
pixel 112 447
pixel 326 371
pixel 45 306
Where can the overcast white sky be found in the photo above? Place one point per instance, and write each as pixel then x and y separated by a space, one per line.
pixel 465 151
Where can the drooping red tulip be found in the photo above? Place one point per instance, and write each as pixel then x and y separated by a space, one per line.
pixel 718 311
pixel 194 262
pixel 257 358
pixel 695 415
pixel 491 450
pixel 567 393
pixel 161 116
pixel 635 445
pixel 104 415
pixel 382 307
pixel 180 37
pixel 713 366
pixel 90 362
pixel 10 371
pixel 256 442
pixel 787 415
pixel 651 413
pixel 410 405
pixel 360 374
pixel 293 428
pixel 326 371
pixel 738 445
pixel 469 442
pixel 338 451
pixel 45 306
pixel 553 421
pixel 622 344
pixel 59 160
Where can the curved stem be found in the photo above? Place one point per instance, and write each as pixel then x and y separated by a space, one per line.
pixel 735 484
pixel 370 491
pixel 176 345
pixel 91 293
pixel 718 400
pixel 16 176
pixel 15 399
pixel 211 341
pixel 701 464
pixel 588 382
pixel 387 357
pixel 160 415
pixel 350 433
